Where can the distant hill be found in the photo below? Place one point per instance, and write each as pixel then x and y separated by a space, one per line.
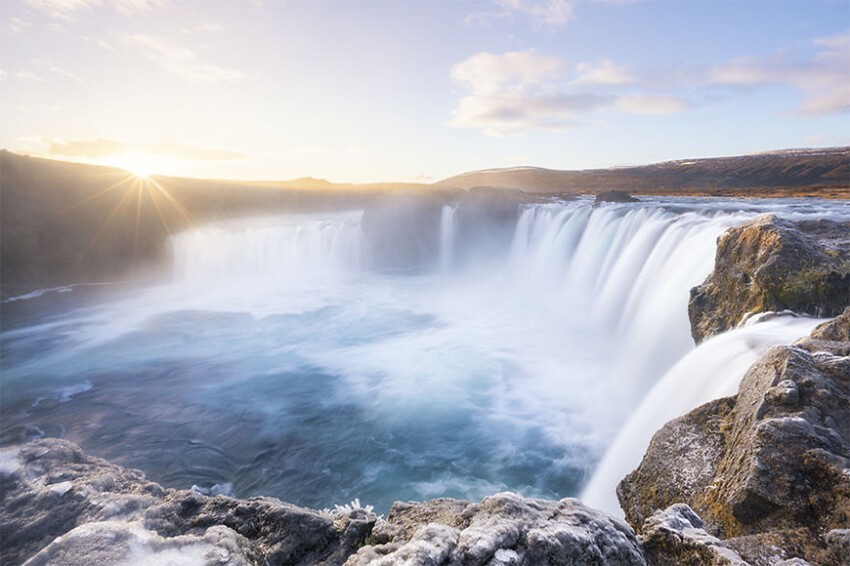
pixel 804 172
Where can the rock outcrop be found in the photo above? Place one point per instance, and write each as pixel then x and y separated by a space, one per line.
pixel 771 264
pixel 767 470
pixel 613 196
pixel 501 530
pixel 59 506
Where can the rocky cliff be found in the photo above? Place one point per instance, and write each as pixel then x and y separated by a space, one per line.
pixel 771 264
pixel 767 471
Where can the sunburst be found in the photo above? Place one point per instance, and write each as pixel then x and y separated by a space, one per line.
pixel 136 190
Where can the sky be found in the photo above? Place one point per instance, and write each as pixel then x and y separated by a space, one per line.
pixel 417 90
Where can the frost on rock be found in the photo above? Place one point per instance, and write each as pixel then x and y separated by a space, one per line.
pixel 130 544
pixel 505 529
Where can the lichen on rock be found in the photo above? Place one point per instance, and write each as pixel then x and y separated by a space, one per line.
pixel 772 264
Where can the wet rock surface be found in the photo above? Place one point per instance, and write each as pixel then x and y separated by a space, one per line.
pixel 772 264
pixel 769 468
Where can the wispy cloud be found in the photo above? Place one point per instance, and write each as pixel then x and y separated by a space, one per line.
pixel 180 61
pixel 3 75
pixel 30 76
pixel 100 148
pixel 823 78
pixel 69 9
pixel 16 25
pixel 550 12
pixel 540 12
pixel 651 104
pixel 603 73
pixel 520 91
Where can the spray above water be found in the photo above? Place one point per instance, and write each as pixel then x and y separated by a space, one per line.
pixel 285 360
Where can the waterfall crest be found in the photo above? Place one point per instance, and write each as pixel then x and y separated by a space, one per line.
pixel 292 247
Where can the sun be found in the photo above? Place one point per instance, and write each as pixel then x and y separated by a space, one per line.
pixel 141 165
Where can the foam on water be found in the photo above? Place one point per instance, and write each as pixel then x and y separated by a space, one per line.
pixel 278 362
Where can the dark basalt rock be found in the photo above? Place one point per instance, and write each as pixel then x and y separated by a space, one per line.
pixel 771 264
pixel 613 196
pixel 772 471
pixel 402 230
pixel 486 220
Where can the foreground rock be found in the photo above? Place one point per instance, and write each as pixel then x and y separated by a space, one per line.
pixel 771 264
pixel 768 471
pixel 59 506
pixel 504 529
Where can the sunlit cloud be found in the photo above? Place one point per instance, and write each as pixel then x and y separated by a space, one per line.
pixel 69 9
pixel 506 94
pixel 101 148
pixel 823 79
pixel 520 91
pixel 180 61
pixel 3 75
pixel 603 73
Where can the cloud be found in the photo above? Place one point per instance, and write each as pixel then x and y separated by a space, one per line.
pixel 603 73
pixel 650 104
pixel 823 79
pixel 3 75
pixel 109 148
pixel 16 25
pixel 520 91
pixel 549 12
pixel 30 76
pixel 540 12
pixel 180 61
pixel 68 9
pixel 506 94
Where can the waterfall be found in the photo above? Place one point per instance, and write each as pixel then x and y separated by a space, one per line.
pixel 711 371
pixel 291 247
pixel 627 268
pixel 447 237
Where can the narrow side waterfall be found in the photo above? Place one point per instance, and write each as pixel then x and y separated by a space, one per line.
pixel 447 237
pixel 711 371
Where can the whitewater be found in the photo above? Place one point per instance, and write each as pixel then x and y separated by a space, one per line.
pixel 280 360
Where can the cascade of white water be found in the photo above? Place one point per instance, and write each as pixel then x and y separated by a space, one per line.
pixel 447 237
pixel 711 371
pixel 295 247
pixel 628 268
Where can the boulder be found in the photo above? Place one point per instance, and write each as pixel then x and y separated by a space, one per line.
pixel 504 529
pixel 772 461
pixel 676 536
pixel 771 264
